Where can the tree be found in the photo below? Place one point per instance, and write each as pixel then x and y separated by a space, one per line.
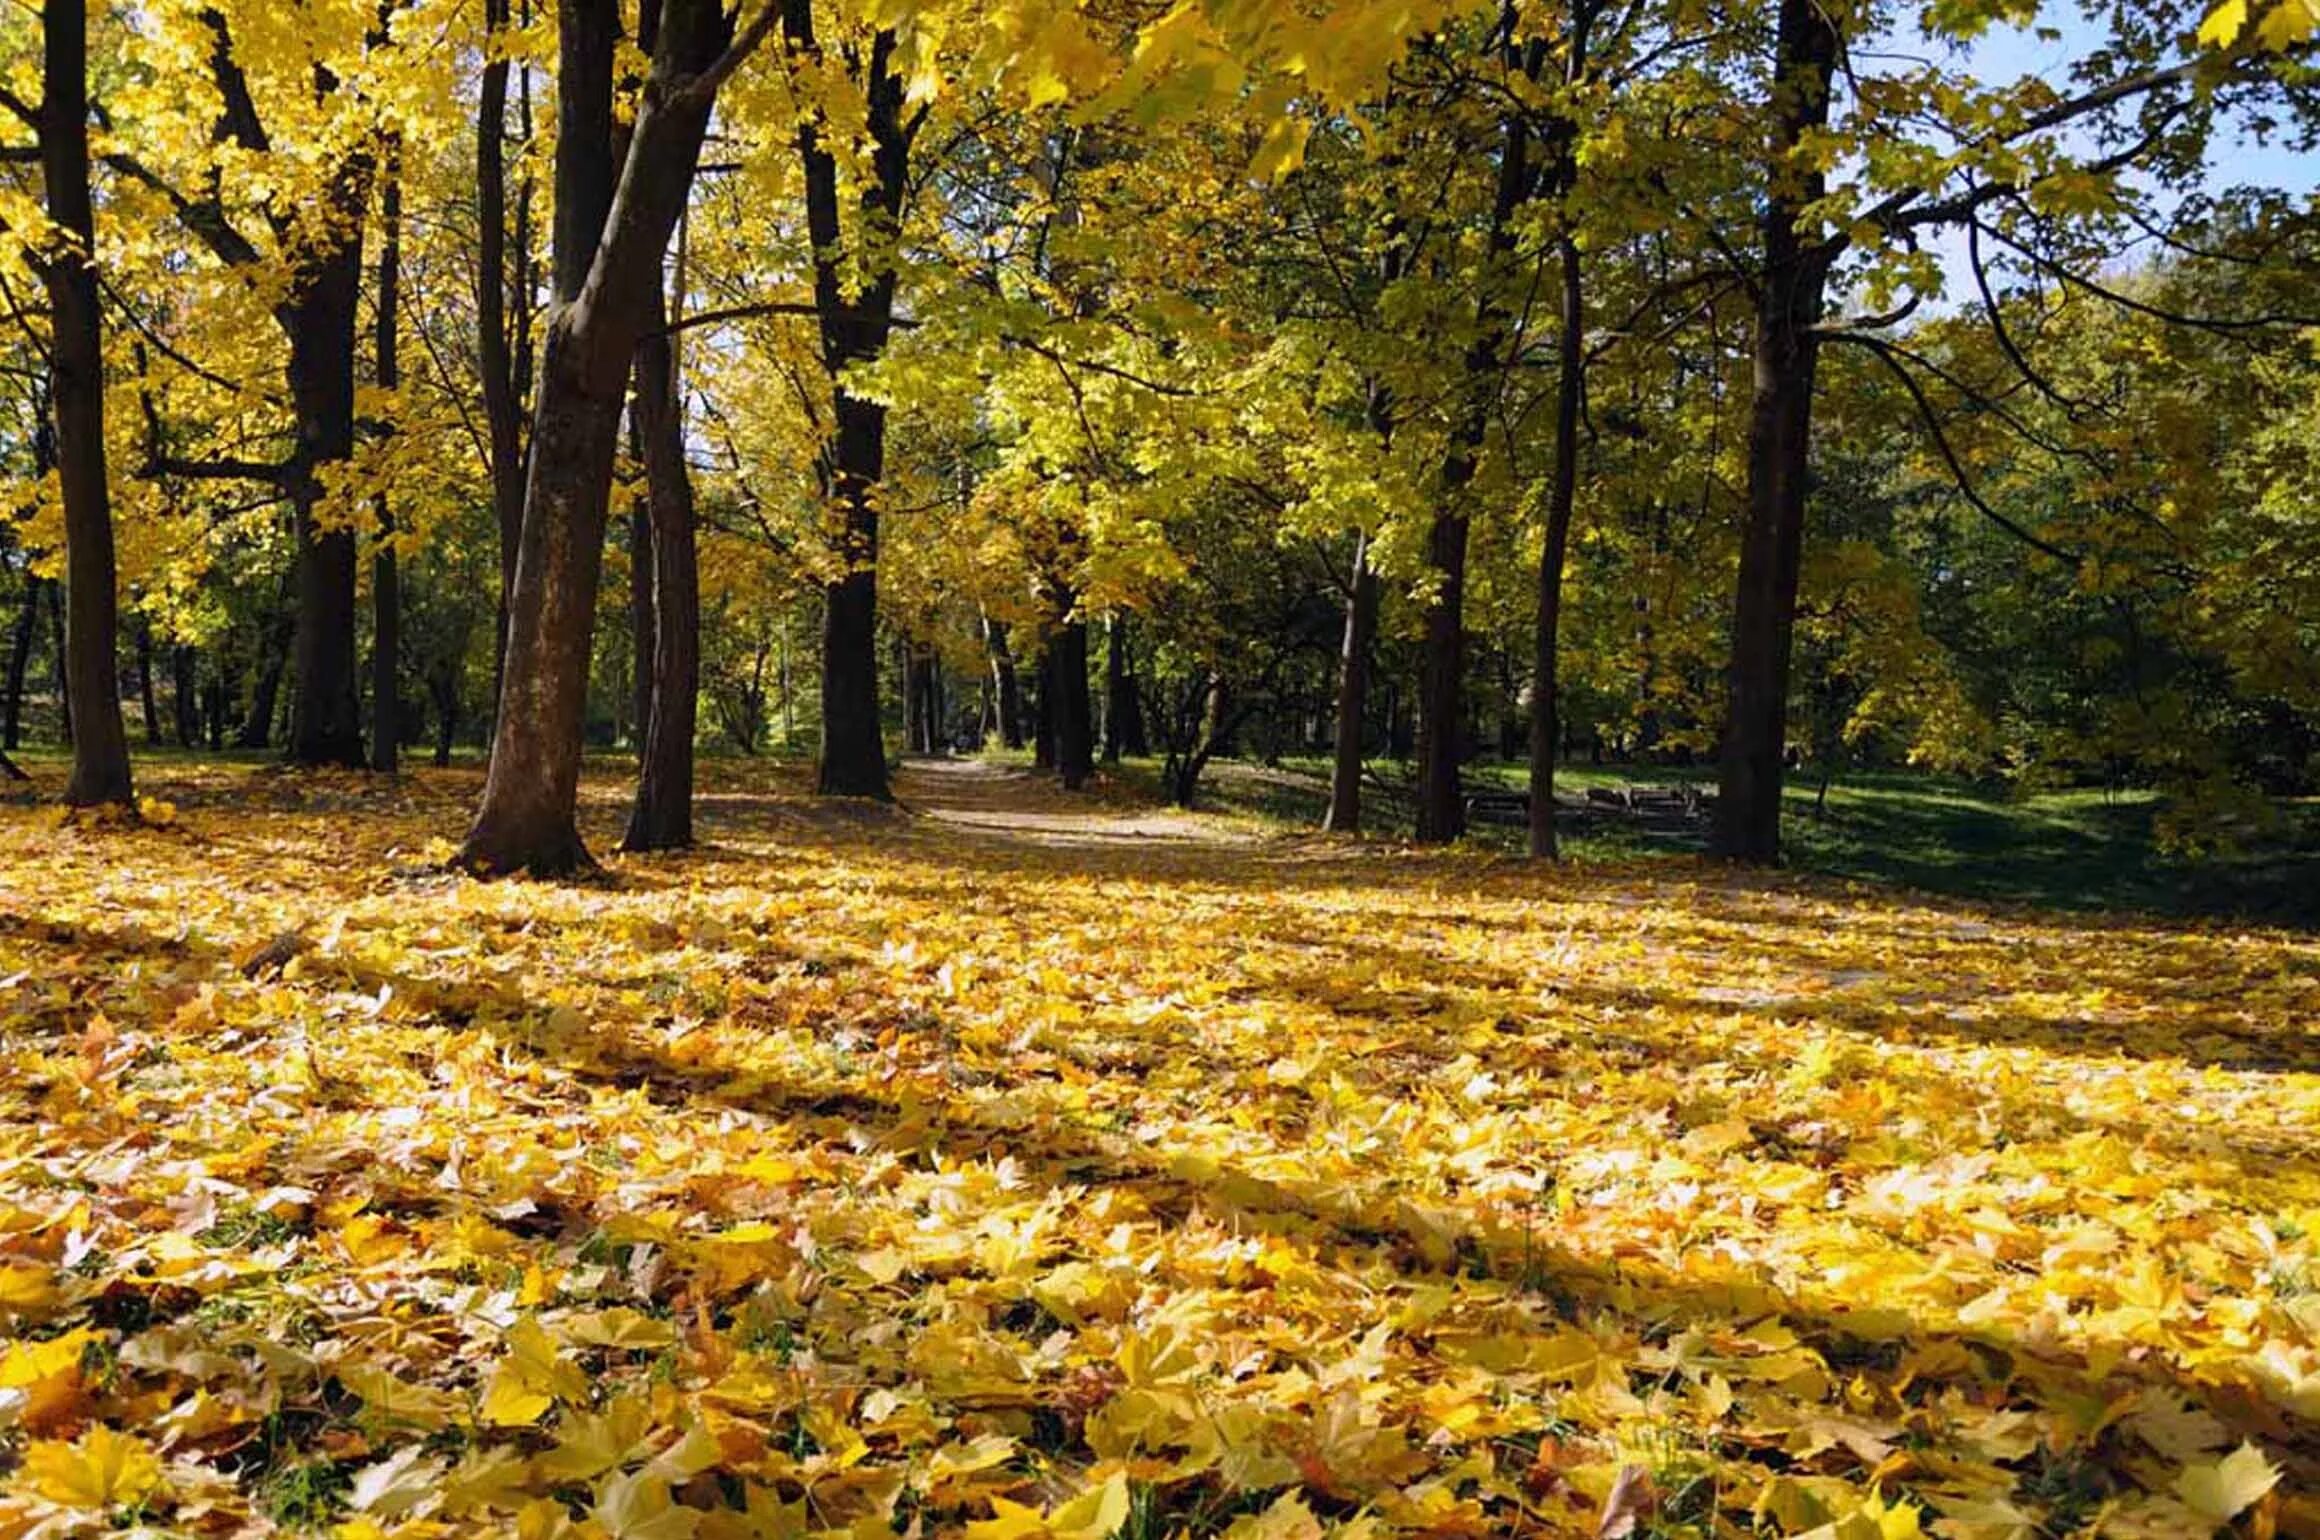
pixel 613 223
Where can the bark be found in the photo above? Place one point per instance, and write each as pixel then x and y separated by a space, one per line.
pixel 1007 692
pixel 20 639
pixel 386 579
pixel 321 317
pixel 185 701
pixel 1353 664
pixel 854 326
pixel 148 702
pixel 1043 714
pixel 662 818
pixel 1442 664
pixel 1074 728
pixel 1562 495
pixel 502 402
pixel 1786 355
pixel 100 768
pixel 1546 727
pixel 613 223
pixel 1123 708
pixel 640 591
pixel 273 657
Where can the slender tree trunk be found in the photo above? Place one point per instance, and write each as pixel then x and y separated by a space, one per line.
pixel 1561 176
pixel 185 703
pixel 100 770
pixel 1123 712
pixel 444 686
pixel 1789 299
pixel 386 578
pixel 1442 666
pixel 1074 728
pixel 148 702
pixel 1007 693
pixel 1043 713
pixel 1562 496
pixel 663 816
pixel 273 657
pixel 20 639
pixel 613 223
pixel 640 590
pixel 503 405
pixel 1353 660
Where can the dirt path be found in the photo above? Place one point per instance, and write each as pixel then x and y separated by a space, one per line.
pixel 1028 805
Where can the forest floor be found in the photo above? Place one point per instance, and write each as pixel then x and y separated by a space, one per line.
pixel 1022 1167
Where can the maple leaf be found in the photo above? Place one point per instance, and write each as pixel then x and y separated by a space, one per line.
pixel 2221 1490
pixel 100 1471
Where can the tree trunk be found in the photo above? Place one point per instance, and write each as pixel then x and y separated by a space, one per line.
pixel 1562 495
pixel 100 769
pixel 663 816
pixel 1788 307
pixel 1123 708
pixel 609 251
pixel 321 318
pixel 855 317
pixel 20 640
pixel 148 702
pixel 1043 713
pixel 1361 613
pixel 1561 176
pixel 185 703
pixel 273 656
pixel 503 405
pixel 386 579
pixel 1067 652
pixel 444 685
pixel 1007 693
pixel 641 647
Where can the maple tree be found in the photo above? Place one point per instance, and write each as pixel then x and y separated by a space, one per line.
pixel 1398 402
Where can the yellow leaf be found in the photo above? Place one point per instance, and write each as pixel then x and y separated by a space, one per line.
pixel 2224 24
pixel 2220 1490
pixel 103 1470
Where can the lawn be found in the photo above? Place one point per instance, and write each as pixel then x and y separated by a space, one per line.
pixel 1015 1167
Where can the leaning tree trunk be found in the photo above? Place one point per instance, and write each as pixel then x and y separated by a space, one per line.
pixel 1442 664
pixel 613 224
pixel 266 691
pixel 1793 281
pixel 1361 612
pixel 321 315
pixel 663 816
pixel 386 577
pixel 100 769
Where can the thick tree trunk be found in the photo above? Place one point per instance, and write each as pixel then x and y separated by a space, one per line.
pixel 185 702
pixel 321 318
pixel 855 318
pixel 609 252
pixel 663 816
pixel 1075 758
pixel 386 578
pixel 1789 300
pixel 100 769
pixel 1007 692
pixel 1353 657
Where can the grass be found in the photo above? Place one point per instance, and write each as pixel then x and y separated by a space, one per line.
pixel 2070 849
